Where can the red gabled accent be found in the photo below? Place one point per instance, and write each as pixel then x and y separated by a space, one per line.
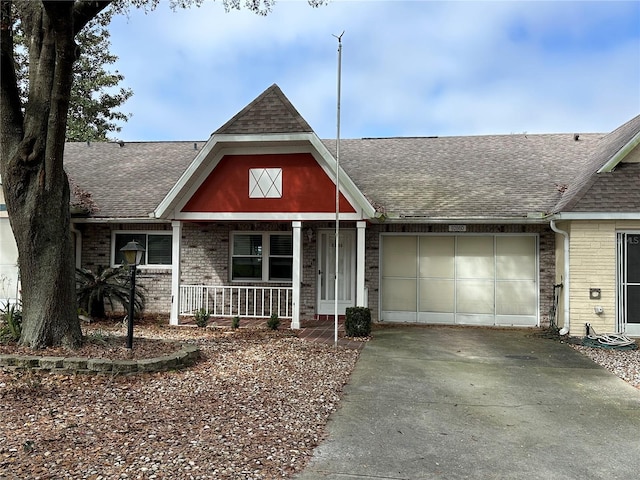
pixel 305 187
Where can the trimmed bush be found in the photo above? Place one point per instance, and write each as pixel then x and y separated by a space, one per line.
pixel 235 323
pixel 274 322
pixel 357 322
pixel 202 317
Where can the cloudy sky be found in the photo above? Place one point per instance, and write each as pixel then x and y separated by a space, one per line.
pixel 409 68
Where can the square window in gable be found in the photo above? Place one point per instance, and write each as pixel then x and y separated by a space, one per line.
pixel 265 183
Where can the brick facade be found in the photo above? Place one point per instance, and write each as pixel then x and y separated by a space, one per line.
pixel 96 255
pixel 205 257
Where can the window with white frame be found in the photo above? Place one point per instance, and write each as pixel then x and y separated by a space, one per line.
pixel 157 245
pixel 266 256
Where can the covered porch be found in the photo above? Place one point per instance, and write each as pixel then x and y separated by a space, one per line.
pixel 203 273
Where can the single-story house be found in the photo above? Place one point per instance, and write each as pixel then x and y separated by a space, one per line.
pixel 496 230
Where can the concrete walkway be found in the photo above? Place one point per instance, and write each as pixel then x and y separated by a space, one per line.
pixel 476 403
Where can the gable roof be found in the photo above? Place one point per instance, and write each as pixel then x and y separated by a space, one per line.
pixel 491 178
pixel 270 112
pixel 594 185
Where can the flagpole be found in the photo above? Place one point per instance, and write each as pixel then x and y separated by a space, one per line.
pixel 337 240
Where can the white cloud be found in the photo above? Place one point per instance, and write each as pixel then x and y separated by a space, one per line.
pixel 409 68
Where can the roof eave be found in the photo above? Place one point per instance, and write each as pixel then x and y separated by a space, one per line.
pixel 415 219
pixel 596 216
pixel 620 154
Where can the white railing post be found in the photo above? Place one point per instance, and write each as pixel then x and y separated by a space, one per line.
pixel 296 275
pixel 176 236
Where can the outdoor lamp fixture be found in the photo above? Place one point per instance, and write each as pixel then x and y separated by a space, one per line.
pixel 132 252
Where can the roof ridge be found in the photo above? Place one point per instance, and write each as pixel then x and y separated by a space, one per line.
pixel 608 146
pixel 269 112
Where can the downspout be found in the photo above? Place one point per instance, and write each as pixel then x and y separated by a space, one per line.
pixel 78 246
pixel 565 290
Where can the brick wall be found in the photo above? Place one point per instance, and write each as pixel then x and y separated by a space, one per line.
pixel 205 257
pixel 593 261
pixel 96 254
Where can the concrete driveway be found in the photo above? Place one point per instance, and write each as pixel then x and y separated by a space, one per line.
pixel 479 403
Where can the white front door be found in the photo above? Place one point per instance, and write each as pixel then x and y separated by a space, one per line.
pixel 629 282
pixel 327 271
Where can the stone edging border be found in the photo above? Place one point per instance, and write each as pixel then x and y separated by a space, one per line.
pixel 185 357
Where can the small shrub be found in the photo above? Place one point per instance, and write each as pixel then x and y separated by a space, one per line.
pixel 107 286
pixel 357 322
pixel 235 323
pixel 10 323
pixel 202 317
pixel 274 322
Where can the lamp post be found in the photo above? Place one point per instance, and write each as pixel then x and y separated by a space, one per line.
pixel 132 252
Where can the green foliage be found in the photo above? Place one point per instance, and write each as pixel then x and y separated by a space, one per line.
pixel 109 286
pixel 95 96
pixel 357 322
pixel 274 322
pixel 202 317
pixel 235 323
pixel 10 323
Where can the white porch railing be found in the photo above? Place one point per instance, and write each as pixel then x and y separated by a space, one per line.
pixel 229 301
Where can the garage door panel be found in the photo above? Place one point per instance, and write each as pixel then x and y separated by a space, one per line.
pixel 475 257
pixel 437 256
pixel 464 279
pixel 516 320
pixel 516 258
pixel 475 296
pixel 437 295
pixel 399 257
pixel 516 298
pixel 399 295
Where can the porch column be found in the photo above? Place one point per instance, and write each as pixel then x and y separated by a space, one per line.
pixel 296 276
pixel 361 300
pixel 175 272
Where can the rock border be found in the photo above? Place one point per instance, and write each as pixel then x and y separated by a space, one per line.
pixel 185 357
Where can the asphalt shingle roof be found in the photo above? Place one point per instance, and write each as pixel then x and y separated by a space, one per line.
pixel 588 188
pixel 484 177
pixel 463 177
pixel 128 180
pixel 270 112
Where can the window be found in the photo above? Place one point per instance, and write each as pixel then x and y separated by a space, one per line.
pixel 158 247
pixel 263 257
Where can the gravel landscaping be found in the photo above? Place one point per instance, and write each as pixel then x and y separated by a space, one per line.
pixel 254 407
pixel 624 363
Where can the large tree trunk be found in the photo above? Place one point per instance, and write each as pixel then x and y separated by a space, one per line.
pixel 35 185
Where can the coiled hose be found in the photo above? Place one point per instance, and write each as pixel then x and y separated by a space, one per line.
pixel 611 340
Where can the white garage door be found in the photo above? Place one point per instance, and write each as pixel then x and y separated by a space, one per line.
pixel 8 263
pixel 464 279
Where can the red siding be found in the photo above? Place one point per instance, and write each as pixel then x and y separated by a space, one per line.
pixel 305 187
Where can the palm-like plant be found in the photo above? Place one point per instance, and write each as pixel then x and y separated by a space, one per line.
pixel 108 285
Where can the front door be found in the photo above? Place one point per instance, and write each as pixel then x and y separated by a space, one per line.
pixel 629 282
pixel 327 271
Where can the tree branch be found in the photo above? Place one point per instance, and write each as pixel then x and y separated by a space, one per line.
pixel 10 105
pixel 83 12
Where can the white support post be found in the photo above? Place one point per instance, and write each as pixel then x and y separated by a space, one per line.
pixel 296 273
pixel 360 264
pixel 175 272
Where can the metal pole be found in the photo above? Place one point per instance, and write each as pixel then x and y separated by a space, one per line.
pixel 337 243
pixel 132 296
